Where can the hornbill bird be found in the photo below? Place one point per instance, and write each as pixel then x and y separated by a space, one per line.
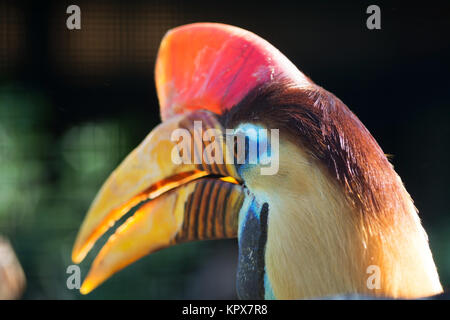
pixel 334 208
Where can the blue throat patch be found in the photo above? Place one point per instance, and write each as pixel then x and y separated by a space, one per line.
pixel 252 282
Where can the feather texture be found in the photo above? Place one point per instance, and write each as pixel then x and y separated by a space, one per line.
pixel 338 206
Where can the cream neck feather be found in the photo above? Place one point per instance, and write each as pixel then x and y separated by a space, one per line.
pixel 319 246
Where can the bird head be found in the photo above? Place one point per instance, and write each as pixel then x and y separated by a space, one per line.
pixel 308 192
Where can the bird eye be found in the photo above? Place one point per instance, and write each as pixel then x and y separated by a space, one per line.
pixel 250 145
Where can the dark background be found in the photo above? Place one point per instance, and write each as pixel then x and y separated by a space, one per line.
pixel 74 103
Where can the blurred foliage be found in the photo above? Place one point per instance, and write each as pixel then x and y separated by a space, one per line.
pixel 21 171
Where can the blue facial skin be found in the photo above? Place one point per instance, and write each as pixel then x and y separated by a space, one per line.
pixel 268 295
pixel 252 281
pixel 257 146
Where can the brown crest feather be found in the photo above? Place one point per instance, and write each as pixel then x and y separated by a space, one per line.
pixel 320 121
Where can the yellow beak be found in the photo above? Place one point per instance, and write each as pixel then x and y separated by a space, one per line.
pixel 175 202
